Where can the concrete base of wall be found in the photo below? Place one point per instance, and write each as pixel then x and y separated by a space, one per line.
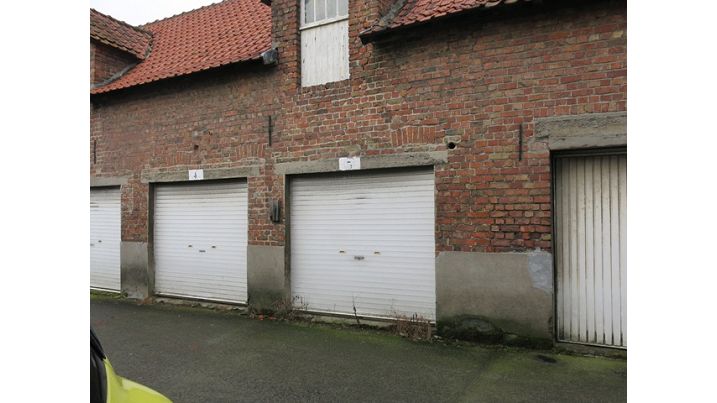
pixel 134 269
pixel 266 276
pixel 511 291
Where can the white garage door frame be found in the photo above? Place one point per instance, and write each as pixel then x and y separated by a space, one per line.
pixel 105 238
pixel 199 240
pixel 586 311
pixel 387 252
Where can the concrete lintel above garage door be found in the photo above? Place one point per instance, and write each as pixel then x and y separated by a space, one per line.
pixel 151 176
pixel 367 162
pixel 106 181
pixel 591 130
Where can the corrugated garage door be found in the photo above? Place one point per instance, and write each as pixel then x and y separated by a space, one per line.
pixel 200 240
pixel 591 247
pixel 105 238
pixel 364 241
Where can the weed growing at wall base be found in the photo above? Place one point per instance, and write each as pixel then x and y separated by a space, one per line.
pixel 414 327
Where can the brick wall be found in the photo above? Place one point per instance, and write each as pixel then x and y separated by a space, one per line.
pixel 216 119
pixel 106 61
pixel 472 81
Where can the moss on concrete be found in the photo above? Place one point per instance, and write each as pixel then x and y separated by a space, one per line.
pixel 470 328
pixel 97 294
pixel 266 302
pixel 484 330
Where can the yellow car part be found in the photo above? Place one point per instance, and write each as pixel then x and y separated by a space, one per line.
pixel 121 390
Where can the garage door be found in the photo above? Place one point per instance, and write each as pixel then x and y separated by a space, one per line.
pixel 364 242
pixel 200 240
pixel 105 238
pixel 591 249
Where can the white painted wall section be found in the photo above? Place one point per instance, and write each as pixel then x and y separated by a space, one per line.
pixel 325 53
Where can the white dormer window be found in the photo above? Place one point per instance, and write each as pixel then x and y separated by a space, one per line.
pixel 324 41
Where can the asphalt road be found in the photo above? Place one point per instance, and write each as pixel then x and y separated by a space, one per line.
pixel 198 355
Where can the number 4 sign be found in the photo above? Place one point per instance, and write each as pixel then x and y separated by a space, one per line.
pixel 196 174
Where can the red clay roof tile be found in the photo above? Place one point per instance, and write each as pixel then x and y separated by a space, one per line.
pixel 118 34
pixel 419 11
pixel 212 36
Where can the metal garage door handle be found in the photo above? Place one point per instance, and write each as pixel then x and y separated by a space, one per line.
pixel 359 258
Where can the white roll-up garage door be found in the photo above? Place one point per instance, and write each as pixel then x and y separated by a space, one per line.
pixel 591 249
pixel 105 238
pixel 364 241
pixel 200 240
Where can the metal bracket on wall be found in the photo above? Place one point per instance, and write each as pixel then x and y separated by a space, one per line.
pixel 520 142
pixel 270 129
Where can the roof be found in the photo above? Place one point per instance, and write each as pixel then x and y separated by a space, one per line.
pixel 118 34
pixel 215 35
pixel 414 12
